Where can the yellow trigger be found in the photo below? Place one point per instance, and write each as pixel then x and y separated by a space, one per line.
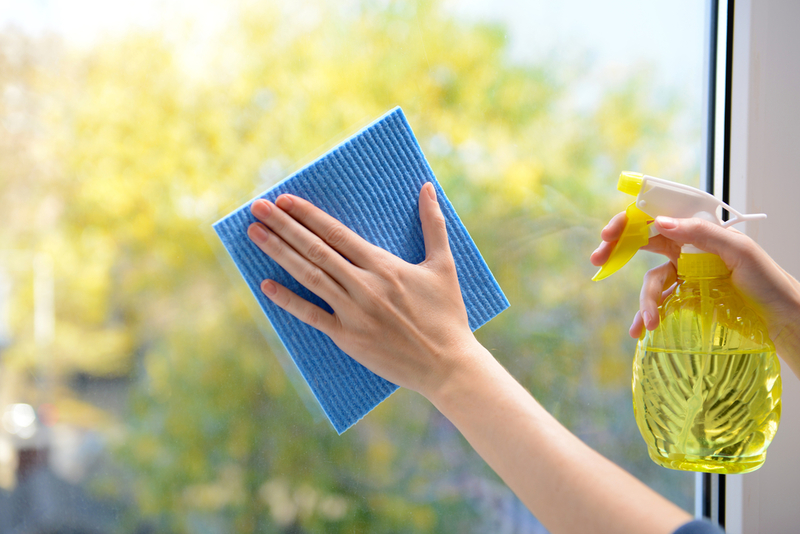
pixel 635 235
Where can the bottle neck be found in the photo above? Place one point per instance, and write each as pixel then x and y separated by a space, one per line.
pixel 701 266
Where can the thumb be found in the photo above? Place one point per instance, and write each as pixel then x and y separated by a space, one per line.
pixel 434 229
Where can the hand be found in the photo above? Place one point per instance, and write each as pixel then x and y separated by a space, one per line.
pixel 406 323
pixel 772 291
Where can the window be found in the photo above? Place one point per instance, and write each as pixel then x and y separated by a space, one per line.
pixel 128 130
pixel 761 134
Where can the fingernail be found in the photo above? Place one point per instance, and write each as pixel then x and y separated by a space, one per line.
pixel 432 192
pixel 646 319
pixel 261 209
pixel 257 233
pixel 666 222
pixel 284 202
pixel 269 288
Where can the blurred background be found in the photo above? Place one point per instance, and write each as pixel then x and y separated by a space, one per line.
pixel 138 392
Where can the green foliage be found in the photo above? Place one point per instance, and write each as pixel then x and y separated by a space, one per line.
pixel 146 151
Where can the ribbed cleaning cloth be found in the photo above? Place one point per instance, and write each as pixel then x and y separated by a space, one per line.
pixel 371 183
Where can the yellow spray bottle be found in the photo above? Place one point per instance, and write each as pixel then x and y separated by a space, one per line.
pixel 706 381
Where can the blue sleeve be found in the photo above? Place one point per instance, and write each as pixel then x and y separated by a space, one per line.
pixel 699 526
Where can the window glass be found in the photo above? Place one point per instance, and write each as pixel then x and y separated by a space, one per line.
pixel 137 390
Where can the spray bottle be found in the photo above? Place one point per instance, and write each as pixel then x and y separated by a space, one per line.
pixel 706 382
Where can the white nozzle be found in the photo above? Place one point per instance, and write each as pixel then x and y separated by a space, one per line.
pixel 662 197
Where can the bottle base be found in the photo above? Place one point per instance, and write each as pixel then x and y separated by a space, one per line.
pixel 708 464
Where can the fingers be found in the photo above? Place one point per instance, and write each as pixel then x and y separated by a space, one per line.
pixel 637 326
pixel 674 233
pixel 301 253
pixel 338 236
pixel 657 284
pixel 309 313
pixel 660 244
pixel 610 234
pixel 600 256
pixel 314 250
pixel 614 228
pixel 434 230
pixel 308 273
pixel 314 221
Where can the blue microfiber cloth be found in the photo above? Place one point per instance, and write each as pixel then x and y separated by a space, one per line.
pixel 371 183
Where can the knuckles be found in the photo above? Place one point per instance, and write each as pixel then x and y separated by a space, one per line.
pixel 312 318
pixel 274 247
pixel 312 278
pixel 335 236
pixel 316 252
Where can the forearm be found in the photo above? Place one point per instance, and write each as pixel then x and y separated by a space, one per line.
pixel 566 484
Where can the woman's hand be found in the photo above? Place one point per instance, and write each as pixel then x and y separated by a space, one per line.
pixel 773 292
pixel 406 323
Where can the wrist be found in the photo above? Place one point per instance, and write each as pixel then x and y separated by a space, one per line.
pixel 470 368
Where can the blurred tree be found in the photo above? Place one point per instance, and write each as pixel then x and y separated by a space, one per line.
pixel 149 148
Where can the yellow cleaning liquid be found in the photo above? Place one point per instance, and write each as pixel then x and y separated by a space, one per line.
pixel 706 381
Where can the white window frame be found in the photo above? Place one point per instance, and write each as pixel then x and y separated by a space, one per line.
pixel 754 148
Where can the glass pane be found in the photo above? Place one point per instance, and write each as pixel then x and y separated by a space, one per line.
pixel 138 391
